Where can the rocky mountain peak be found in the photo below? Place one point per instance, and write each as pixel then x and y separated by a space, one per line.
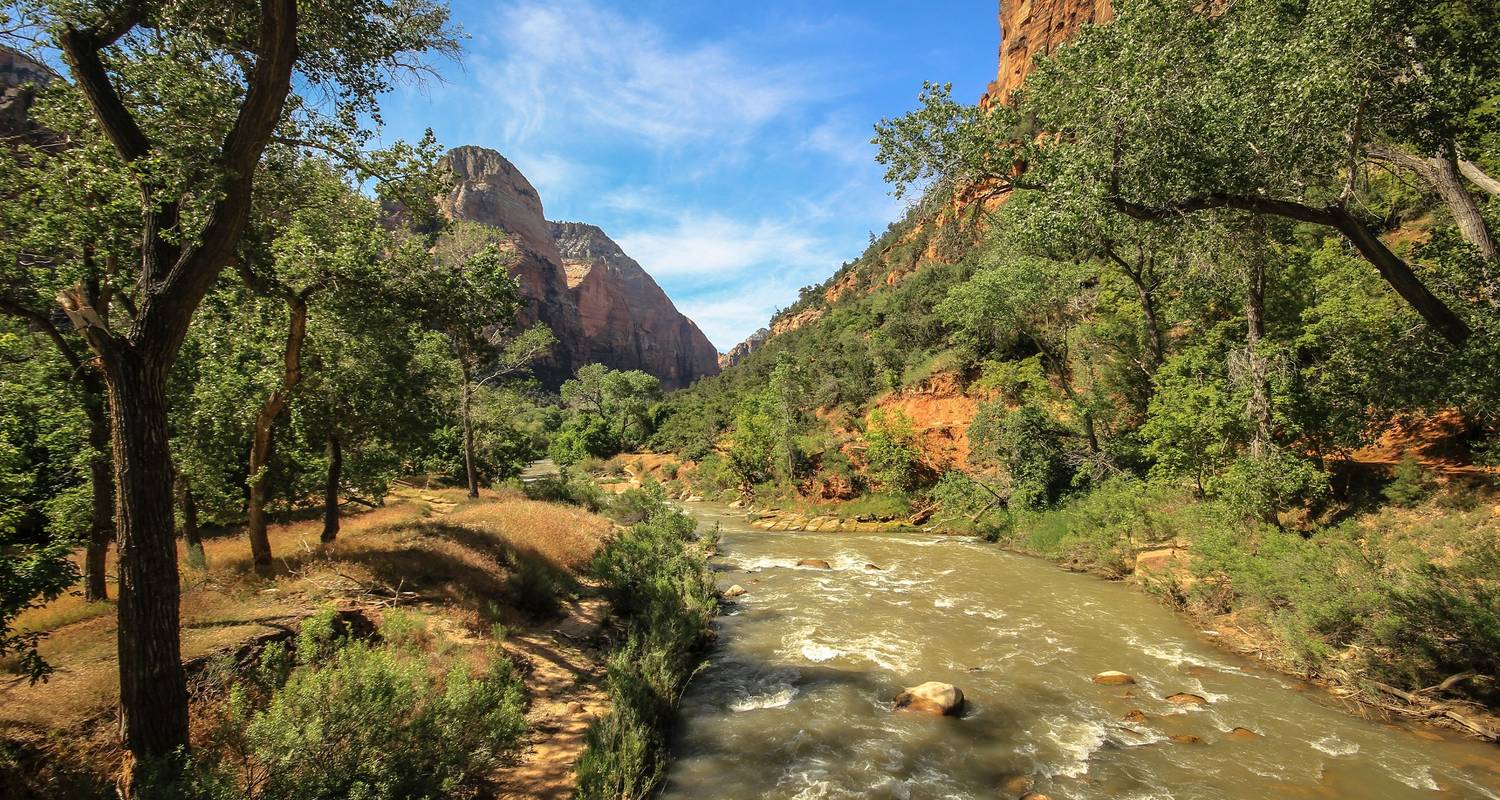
pixel 602 306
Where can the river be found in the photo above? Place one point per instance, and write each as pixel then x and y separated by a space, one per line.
pixel 795 699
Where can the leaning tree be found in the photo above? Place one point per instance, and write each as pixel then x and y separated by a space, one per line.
pixel 189 94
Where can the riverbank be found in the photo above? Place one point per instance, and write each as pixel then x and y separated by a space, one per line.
pixel 1393 611
pixel 797 697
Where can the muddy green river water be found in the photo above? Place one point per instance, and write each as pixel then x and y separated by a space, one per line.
pixel 795 700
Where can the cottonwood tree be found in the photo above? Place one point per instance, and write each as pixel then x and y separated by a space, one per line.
pixel 64 224
pixel 316 235
pixel 189 95
pixel 462 289
pixel 615 402
pixel 1259 107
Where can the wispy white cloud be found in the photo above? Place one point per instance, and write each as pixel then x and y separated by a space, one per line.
pixel 705 245
pixel 571 67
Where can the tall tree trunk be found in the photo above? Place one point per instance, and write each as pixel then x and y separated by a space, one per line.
pixel 1258 407
pixel 102 481
pixel 331 490
pixel 190 531
pixel 153 685
pixel 1155 348
pixel 264 435
pixel 1450 186
pixel 466 411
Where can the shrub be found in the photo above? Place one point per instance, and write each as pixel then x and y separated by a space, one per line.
pixel 364 721
pixel 534 586
pixel 660 582
pixel 892 450
pixel 1409 484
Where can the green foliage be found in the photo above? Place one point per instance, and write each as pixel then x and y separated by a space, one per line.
pixel 366 721
pixel 610 409
pixel 660 580
pixel 1409 484
pixel 891 451
pixel 1030 447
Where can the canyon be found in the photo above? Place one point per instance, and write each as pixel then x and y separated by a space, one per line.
pixel 601 304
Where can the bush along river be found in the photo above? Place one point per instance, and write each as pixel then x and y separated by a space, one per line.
pixel 796 699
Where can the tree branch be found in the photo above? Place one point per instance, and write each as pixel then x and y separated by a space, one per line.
pixel 1479 178
pixel 1396 272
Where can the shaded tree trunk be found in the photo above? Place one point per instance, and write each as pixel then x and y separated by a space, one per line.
pixel 331 490
pixel 190 531
pixel 153 685
pixel 102 482
pixel 1258 407
pixel 466 411
pixel 264 434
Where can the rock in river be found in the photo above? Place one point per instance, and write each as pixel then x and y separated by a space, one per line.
pixel 1186 699
pixel 734 591
pixel 932 697
pixel 815 563
pixel 1113 678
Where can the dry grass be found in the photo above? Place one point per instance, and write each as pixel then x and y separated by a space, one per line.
pixel 453 559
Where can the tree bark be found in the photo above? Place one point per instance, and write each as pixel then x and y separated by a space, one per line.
pixel 1472 171
pixel 153 686
pixel 331 490
pixel 102 481
pixel 1450 186
pixel 466 411
pixel 1444 172
pixel 265 429
pixel 176 273
pixel 190 531
pixel 1258 407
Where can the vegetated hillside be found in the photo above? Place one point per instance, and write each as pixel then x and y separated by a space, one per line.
pixel 1176 336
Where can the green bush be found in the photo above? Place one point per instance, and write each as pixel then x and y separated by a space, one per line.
pixel 1409 484
pixel 659 580
pixel 892 451
pixel 358 720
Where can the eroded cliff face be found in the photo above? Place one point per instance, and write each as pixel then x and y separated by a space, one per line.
pixel 628 321
pixel 1031 28
pixel 600 304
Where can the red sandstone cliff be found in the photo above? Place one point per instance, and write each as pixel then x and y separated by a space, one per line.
pixel 600 304
pixel 628 321
pixel 1031 28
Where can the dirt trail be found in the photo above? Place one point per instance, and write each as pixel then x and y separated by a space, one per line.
pixel 566 666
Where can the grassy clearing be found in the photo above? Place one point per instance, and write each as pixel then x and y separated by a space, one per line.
pixel 464 573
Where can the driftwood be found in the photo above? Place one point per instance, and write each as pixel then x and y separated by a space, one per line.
pixel 1421 707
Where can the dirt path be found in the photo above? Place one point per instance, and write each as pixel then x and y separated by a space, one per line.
pixel 566 668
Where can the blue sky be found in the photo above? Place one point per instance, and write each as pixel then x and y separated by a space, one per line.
pixel 725 146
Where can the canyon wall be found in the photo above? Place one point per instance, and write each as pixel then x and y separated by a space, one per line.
pixel 600 304
pixel 1032 28
pixel 628 321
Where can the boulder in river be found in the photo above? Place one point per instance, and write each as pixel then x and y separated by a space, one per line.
pixel 1110 677
pixel 815 563
pixel 1019 786
pixel 1186 738
pixel 1186 699
pixel 873 567
pixel 1135 715
pixel 1243 734
pixel 932 697
pixel 734 591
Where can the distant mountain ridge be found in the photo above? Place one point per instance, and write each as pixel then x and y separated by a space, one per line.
pixel 600 304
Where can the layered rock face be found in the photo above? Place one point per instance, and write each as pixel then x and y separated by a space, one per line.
pixel 600 304
pixel 628 321
pixel 1031 28
pixel 742 351
pixel 18 75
